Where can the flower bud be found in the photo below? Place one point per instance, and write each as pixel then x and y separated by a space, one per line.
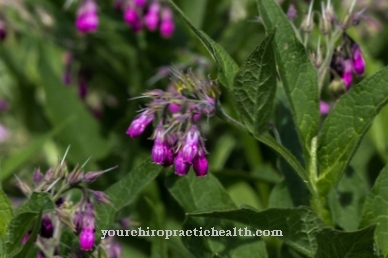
pixel 26 237
pixel 100 197
pixel 138 125
pixel 347 76
pixel 37 176
pixel 140 3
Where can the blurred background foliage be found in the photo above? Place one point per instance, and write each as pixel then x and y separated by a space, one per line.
pixel 44 116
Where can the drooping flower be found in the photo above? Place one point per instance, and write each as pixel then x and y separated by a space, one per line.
pixel 138 125
pixel 358 61
pixel 347 76
pixel 200 164
pixel 191 145
pixel 181 167
pixel 151 19
pixel 160 150
pixel 167 26
pixel 87 236
pixel 87 17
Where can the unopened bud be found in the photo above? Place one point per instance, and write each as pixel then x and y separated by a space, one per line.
pixel 37 176
pixel 337 87
pixel 23 187
pixel 100 197
pixel 75 177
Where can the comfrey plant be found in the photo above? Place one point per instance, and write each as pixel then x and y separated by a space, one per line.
pixel 68 216
pixel 176 114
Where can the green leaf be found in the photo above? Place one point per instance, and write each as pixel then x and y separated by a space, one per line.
pixel 255 87
pixel 83 132
pixel 298 75
pixel 298 225
pixel 343 129
pixel 124 192
pixel 194 194
pixel 338 244
pixel 345 200
pixel 6 213
pixel 227 66
pixel 375 210
pixel 38 204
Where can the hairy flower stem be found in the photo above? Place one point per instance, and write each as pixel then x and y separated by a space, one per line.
pixel 318 203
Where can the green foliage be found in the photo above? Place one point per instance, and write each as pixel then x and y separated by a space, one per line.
pixel 255 87
pixel 298 75
pixel 6 213
pixel 345 126
pixel 375 211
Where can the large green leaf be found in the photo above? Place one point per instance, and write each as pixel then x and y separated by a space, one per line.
pixel 343 129
pixel 82 132
pixel 125 191
pixel 298 75
pixel 6 213
pixel 338 244
pixel 255 87
pixel 32 210
pixel 298 225
pixel 194 194
pixel 227 66
pixel 375 210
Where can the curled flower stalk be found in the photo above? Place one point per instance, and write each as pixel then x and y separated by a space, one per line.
pixel 177 113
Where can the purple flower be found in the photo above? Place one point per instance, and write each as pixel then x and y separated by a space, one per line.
pixel 138 125
pixel 324 108
pixel 200 164
pixel 151 19
pixel 190 147
pixel 86 239
pixel 161 146
pixel 132 18
pixel 115 251
pixel 181 167
pixel 167 25
pixel 347 76
pixel 47 227
pixel 87 19
pixel 140 3
pixel 174 108
pixel 358 60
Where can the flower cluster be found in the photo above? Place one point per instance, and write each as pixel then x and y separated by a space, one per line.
pixel 347 60
pixel 341 62
pixel 79 217
pixel 176 114
pixel 137 14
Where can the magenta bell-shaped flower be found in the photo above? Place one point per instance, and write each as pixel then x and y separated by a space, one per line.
pixel 347 76
pixel 132 18
pixel 181 167
pixel 161 146
pixel 190 147
pixel 151 19
pixel 167 26
pixel 138 125
pixel 87 18
pixel 200 164
pixel 358 60
pixel 86 239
